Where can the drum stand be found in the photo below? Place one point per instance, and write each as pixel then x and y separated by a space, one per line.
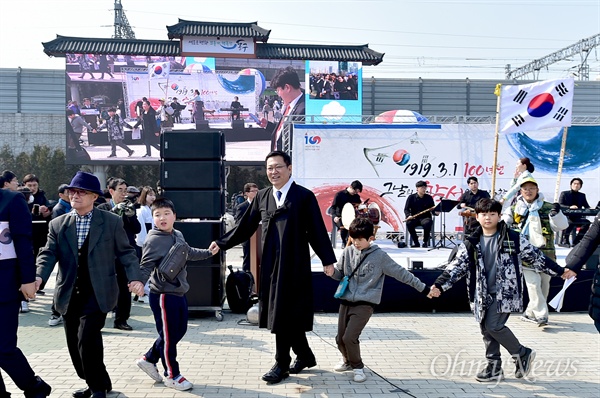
pixel 445 206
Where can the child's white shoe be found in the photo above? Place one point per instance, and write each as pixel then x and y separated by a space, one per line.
pixel 342 367
pixel 359 375
pixel 178 383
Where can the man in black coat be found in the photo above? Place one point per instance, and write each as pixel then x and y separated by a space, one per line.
pixel 250 191
pixel 573 199
pixel 468 200
pixel 17 275
pixel 291 221
pixel 579 256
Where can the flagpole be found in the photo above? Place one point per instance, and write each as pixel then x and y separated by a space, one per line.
pixel 498 92
pixel 561 160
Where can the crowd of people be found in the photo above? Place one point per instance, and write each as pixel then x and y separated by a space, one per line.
pixel 109 243
pixel 332 86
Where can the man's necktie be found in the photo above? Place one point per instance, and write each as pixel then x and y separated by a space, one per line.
pixel 278 193
pixel 280 127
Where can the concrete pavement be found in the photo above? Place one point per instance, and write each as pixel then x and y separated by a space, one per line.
pixel 406 354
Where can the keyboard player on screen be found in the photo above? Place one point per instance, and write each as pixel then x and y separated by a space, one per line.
pixel 235 111
pixel 576 200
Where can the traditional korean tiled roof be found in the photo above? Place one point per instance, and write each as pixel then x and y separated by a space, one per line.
pixel 218 29
pixel 360 53
pixel 79 45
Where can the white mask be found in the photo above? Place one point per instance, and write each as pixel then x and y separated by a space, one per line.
pixel 31 198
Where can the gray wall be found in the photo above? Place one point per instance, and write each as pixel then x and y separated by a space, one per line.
pixel 32 102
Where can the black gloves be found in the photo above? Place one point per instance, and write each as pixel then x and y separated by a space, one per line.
pixel 555 209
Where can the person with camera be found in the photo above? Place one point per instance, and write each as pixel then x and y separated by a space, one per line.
pixel 118 204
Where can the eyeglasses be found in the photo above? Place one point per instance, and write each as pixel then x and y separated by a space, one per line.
pixel 530 189
pixel 79 192
pixel 277 168
pixel 254 190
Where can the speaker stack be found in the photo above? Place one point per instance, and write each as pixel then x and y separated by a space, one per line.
pixel 192 175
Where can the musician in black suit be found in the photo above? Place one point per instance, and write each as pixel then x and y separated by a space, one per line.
pixel 235 105
pixel 17 275
pixel 468 200
pixel 250 191
pixel 416 213
pixel 349 195
pixel 573 199
pixel 287 85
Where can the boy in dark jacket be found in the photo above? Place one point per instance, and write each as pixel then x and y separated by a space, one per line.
pixel 167 299
pixel 491 258
pixel 364 290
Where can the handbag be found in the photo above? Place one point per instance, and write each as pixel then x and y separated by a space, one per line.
pixel 172 264
pixel 343 286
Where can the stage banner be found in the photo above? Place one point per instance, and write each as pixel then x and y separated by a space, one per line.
pixel 217 90
pixel 390 159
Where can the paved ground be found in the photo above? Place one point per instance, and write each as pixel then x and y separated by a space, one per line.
pixel 407 355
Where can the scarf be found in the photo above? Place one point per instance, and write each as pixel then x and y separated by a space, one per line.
pixel 533 224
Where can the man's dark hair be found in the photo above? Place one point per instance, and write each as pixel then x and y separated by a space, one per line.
pixel 472 178
pixel 115 182
pixel 361 227
pixel 62 188
pixel 356 185
pixel 162 203
pixel 488 206
pixel 576 179
pixel 285 76
pixel 30 178
pixel 248 186
pixel 527 162
pixel 286 158
pixel 70 112
pixel 420 184
pixel 7 176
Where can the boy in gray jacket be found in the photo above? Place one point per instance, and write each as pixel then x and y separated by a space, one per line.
pixel 364 291
pixel 167 299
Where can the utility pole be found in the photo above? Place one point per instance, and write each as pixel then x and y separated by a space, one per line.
pixel 122 28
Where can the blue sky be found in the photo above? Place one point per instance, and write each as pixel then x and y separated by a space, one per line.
pixel 431 39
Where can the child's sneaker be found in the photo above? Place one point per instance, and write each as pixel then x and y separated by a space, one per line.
pixel 342 366
pixel 528 318
pixel 524 363
pixel 491 373
pixel 359 375
pixel 149 368
pixel 178 383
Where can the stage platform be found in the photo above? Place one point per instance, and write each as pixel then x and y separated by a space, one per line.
pixel 398 297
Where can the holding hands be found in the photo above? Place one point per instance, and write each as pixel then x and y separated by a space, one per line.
pixel 328 269
pixel 434 292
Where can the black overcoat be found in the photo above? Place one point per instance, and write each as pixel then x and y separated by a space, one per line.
pixel 286 290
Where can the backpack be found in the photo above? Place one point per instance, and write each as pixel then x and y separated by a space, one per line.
pixel 238 288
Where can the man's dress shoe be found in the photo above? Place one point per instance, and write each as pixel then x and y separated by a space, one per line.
pixel 275 375
pixel 122 326
pixel 87 393
pixel 299 365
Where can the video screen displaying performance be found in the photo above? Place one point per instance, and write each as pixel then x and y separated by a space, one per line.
pixel 118 105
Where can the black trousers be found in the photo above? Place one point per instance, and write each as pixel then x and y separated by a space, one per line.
pixel 123 310
pixel 83 324
pixel 412 225
pixel 295 340
pixel 12 360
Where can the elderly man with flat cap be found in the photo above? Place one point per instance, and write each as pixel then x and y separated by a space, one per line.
pixel 85 243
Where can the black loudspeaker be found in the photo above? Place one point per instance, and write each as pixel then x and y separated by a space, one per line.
pixel 197 204
pixel 202 125
pixel 192 145
pixel 237 124
pixel 199 174
pixel 206 287
pixel 200 235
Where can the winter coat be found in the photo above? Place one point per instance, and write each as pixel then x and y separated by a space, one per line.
pixel 285 280
pixel 580 254
pixel 513 249
pixel 115 125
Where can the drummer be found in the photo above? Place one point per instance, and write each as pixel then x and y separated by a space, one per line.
pixel 467 202
pixel 349 195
